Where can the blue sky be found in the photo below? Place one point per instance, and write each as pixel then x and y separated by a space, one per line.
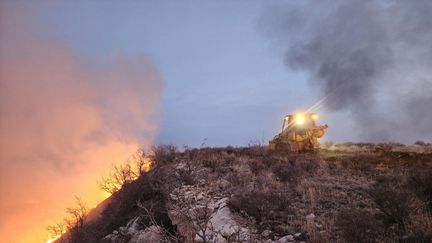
pixel 224 79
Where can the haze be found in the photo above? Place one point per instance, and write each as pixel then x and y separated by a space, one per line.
pixel 83 84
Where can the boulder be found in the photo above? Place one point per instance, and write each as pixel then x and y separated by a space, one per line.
pixel 286 239
pixel 150 234
pixel 310 216
pixel 266 233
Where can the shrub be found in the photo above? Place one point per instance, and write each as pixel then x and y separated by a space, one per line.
pixel 185 175
pixel 119 176
pixel 163 154
pixel 392 200
pixel 291 170
pixel 421 184
pixel 256 166
pixel 358 226
pixel 213 162
pixel 268 207
pixel 420 143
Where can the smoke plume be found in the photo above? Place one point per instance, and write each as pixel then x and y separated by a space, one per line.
pixel 371 58
pixel 63 121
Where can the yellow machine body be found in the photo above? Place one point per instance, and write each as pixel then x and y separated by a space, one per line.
pixel 299 134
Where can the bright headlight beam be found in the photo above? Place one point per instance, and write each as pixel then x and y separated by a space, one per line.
pixel 299 119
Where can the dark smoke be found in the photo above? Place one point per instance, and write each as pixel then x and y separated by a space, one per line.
pixel 371 58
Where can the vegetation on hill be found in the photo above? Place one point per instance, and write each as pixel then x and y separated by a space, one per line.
pixel 344 193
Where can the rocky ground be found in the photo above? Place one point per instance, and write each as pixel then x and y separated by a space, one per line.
pixel 344 193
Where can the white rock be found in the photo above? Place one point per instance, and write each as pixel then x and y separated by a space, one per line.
pixel 222 224
pixel 266 233
pixel 149 235
pixel 286 239
pixel 310 216
pixel 200 196
pixel 133 225
pixel 123 230
pixel 297 235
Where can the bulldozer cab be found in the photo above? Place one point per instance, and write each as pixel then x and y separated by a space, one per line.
pixel 299 133
pixel 299 122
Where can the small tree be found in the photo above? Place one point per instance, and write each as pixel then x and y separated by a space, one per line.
pixel 163 154
pixel 73 229
pixel 119 176
pixel 75 224
pixel 142 162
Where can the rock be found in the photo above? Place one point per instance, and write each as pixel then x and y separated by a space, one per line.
pixel 123 230
pixel 297 235
pixel 219 204
pixel 148 235
pixel 223 184
pixel 133 225
pixel 286 239
pixel 200 196
pixel 113 238
pixel 310 216
pixel 223 224
pixel 202 182
pixel 266 233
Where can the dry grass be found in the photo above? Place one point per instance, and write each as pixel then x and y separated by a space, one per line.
pixel 357 192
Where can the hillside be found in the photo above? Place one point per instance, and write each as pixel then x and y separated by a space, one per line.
pixel 344 193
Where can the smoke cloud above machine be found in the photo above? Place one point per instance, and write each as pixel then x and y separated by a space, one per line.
pixel 63 122
pixel 371 58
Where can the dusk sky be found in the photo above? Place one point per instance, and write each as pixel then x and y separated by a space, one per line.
pixel 225 80
pixel 83 84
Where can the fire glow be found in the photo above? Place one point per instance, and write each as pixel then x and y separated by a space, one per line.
pixel 63 123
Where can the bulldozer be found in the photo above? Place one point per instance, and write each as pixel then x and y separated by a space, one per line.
pixel 299 134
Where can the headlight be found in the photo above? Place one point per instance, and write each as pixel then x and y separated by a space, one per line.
pixel 299 119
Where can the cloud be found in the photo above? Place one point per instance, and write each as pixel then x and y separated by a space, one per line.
pixel 63 121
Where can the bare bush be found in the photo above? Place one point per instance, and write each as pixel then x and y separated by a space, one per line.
pixel 268 207
pixel 153 214
pixel 359 226
pixel 393 201
pixel 256 166
pixel 163 154
pixel 196 217
pixel 73 229
pixel 185 175
pixel 420 143
pixel 119 176
pixel 142 162
pixel 421 184
pixel 56 232
pixel 360 162
pixel 213 162
pixel 291 170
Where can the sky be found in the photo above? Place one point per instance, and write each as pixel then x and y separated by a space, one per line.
pixel 83 84
pixel 225 81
